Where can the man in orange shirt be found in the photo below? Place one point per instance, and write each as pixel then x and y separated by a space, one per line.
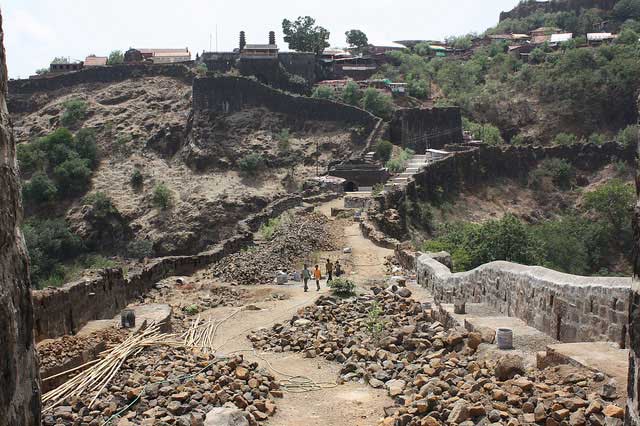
pixel 317 275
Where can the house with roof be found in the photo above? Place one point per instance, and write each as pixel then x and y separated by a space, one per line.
pixel 557 39
pixel 596 39
pixel 157 56
pixel 268 51
pixel 95 61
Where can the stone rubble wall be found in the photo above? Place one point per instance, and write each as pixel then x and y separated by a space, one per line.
pixel 64 310
pixel 566 307
pixel 421 128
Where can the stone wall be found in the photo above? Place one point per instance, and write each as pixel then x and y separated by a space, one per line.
pixel 232 94
pixel 19 376
pixel 472 165
pixel 21 91
pixel 421 129
pixel 64 310
pixel 567 307
pixel 300 63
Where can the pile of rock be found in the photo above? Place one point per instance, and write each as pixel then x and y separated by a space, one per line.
pixel 57 352
pixel 207 297
pixel 296 237
pixel 174 387
pixel 434 374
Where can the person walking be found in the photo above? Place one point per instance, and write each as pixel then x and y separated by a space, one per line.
pixel 329 267
pixel 317 274
pixel 306 276
pixel 338 269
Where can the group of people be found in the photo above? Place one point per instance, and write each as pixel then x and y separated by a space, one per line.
pixel 331 269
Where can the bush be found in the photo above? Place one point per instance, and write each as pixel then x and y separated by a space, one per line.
pixel 559 171
pixel 251 164
pixel 375 325
pixel 351 94
pixel 565 139
pixel 342 287
pixel 85 146
pixel 398 164
pixel 283 137
pixel 49 242
pixel 102 205
pixel 162 196
pixel 115 57
pixel 73 176
pixel 268 229
pixel 323 92
pixel 612 202
pixel 487 133
pixel 30 158
pixel 377 103
pixel 139 249
pixel 40 189
pixel 383 150
pixel 75 111
pixel 628 135
pixel 137 180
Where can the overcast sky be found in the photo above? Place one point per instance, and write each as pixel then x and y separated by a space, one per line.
pixel 38 30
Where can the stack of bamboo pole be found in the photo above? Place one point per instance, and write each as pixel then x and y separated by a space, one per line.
pixel 96 378
pixel 200 335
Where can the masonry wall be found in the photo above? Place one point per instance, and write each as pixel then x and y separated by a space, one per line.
pixel 421 129
pixel 567 307
pixel 300 63
pixel 61 311
pixel 473 165
pixel 232 94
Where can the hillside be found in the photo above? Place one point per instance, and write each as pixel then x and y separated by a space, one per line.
pixel 147 142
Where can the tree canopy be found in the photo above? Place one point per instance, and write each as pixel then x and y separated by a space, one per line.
pixel 115 57
pixel 304 35
pixel 357 39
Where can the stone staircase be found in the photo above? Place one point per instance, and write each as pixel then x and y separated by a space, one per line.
pixel 414 165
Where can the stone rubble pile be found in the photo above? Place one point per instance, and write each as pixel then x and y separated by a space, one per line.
pixel 56 352
pixel 205 298
pixel 295 239
pixel 435 375
pixel 174 387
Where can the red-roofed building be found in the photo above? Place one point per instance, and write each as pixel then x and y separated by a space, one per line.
pixel 95 61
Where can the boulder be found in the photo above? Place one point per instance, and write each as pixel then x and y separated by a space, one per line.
pixel 224 416
pixel 508 366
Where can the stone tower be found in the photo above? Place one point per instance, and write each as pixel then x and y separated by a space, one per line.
pixel 20 381
pixel 243 40
pixel 632 416
pixel 272 37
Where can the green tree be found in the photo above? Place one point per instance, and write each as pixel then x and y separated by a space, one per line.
pixel 383 150
pixel 73 176
pixel 323 92
pixel 86 147
pixel 460 42
pixel 162 196
pixel 612 202
pixel 565 139
pixel 627 9
pixel 30 158
pixel 423 48
pixel 42 71
pixel 304 36
pixel 627 36
pixel 377 103
pixel 351 94
pixel 115 57
pixel 627 136
pixel 251 164
pixel 357 39
pixel 39 189
pixel 75 111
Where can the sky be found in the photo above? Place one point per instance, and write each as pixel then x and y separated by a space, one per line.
pixel 36 31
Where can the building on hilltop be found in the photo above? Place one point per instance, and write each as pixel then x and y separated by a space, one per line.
pixel 157 56
pixel 95 61
pixel 260 51
pixel 595 39
pixel 61 67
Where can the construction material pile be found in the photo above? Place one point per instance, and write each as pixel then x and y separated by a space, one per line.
pixel 435 375
pixel 295 237
pixel 56 352
pixel 173 386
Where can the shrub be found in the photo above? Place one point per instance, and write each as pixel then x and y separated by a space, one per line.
pixel 565 139
pixel 383 150
pixel 612 202
pixel 162 196
pixel 251 164
pixel 191 309
pixel 85 146
pixel 268 229
pixel 102 205
pixel 57 147
pixel 628 135
pixel 49 242
pixel 323 92
pixel 342 287
pixel 30 158
pixel 75 111
pixel 377 103
pixel 139 249
pixel 115 57
pixel 374 324
pixel 351 94
pixel 377 189
pixel 73 176
pixel 283 137
pixel 559 171
pixel 597 138
pixel 137 180
pixel 40 189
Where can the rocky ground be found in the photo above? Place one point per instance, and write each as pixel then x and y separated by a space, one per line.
pixel 434 374
pixel 174 387
pixel 295 238
pixel 59 351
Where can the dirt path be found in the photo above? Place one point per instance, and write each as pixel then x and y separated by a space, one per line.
pixel 336 405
